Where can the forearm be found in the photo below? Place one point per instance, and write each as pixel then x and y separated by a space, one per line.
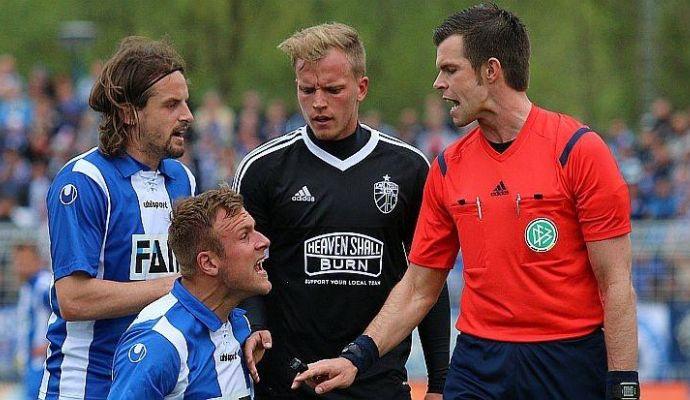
pixel 83 298
pixel 434 334
pixel 611 262
pixel 620 326
pixel 407 304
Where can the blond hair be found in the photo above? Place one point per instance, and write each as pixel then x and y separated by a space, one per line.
pixel 312 44
pixel 191 226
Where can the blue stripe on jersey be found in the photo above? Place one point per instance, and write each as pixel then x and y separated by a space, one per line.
pixel 206 353
pixel 109 218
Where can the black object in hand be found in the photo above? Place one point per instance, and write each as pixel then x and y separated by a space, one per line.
pixel 298 365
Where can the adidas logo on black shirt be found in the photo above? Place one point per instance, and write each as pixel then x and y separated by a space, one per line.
pixel 303 195
pixel 500 190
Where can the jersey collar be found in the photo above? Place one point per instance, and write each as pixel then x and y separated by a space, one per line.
pixel 196 307
pixel 521 138
pixel 128 166
pixel 334 161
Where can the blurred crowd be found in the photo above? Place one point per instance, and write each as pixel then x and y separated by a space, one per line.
pixel 45 120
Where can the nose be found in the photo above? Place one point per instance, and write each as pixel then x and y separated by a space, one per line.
pixel 439 83
pixel 319 102
pixel 186 114
pixel 263 242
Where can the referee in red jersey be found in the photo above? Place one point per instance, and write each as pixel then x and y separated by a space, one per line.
pixel 537 205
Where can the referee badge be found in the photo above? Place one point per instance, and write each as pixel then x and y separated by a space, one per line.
pixel 541 235
pixel 386 194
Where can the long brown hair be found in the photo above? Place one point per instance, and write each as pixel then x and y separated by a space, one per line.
pixel 125 86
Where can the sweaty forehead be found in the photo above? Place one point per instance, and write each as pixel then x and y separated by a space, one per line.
pixel 451 50
pixel 171 85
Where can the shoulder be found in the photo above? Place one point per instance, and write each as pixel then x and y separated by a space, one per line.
pixel 89 169
pixel 268 153
pixel 455 150
pixel 402 149
pixel 177 169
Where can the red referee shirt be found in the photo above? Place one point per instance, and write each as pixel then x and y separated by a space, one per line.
pixel 522 219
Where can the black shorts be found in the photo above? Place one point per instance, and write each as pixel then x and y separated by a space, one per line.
pixel 484 369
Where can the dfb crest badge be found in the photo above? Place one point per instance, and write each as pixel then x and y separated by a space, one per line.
pixel 386 194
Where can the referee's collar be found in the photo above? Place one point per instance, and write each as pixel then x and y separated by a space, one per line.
pixel 128 166
pixel 195 307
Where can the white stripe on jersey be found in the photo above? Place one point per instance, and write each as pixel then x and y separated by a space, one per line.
pixel 224 341
pixel 150 187
pixel 174 336
pixel 156 309
pixel 192 179
pixel 90 170
pixel 46 375
pixel 261 151
pixel 398 142
pixel 349 162
pixel 75 351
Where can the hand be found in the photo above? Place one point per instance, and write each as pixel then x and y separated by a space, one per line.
pixel 433 396
pixel 254 349
pixel 326 375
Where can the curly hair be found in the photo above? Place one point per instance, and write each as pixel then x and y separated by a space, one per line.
pixel 125 86
pixel 191 226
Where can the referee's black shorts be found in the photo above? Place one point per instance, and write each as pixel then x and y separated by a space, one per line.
pixel 573 369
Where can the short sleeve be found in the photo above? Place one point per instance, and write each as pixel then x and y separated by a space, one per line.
pixel 601 194
pixel 249 182
pixel 435 243
pixel 146 366
pixel 77 209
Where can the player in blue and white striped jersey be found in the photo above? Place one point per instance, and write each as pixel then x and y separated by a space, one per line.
pixel 108 216
pixel 188 344
pixel 33 309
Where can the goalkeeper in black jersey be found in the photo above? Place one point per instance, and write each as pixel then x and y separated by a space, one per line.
pixel 339 202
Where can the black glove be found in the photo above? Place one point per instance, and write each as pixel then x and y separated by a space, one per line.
pixel 622 385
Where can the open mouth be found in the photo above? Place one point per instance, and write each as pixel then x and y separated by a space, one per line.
pixel 321 119
pixel 259 267
pixel 454 103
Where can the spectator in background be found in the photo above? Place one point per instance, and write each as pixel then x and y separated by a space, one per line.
pixel 9 78
pixel 276 121
pixel 663 204
pixel 33 310
pixel 247 132
pixel 16 116
pixel 409 127
pixel 8 214
pixel 373 119
pixel 659 119
pixel 216 132
pixel 436 135
pixel 619 137
pixel 679 143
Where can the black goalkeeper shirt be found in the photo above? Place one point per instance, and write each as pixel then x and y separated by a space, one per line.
pixel 340 217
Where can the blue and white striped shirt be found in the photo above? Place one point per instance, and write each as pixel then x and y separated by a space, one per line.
pixel 108 218
pixel 33 309
pixel 177 348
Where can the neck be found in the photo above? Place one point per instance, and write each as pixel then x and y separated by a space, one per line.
pixel 505 116
pixel 144 157
pixel 213 295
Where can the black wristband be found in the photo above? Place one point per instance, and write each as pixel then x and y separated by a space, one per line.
pixel 622 385
pixel 363 353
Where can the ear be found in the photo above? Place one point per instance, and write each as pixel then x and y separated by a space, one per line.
pixel 208 263
pixel 362 88
pixel 492 70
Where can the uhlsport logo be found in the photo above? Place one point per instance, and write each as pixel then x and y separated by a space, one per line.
pixel 386 194
pixel 541 235
pixel 68 194
pixel 137 353
pixel 343 253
